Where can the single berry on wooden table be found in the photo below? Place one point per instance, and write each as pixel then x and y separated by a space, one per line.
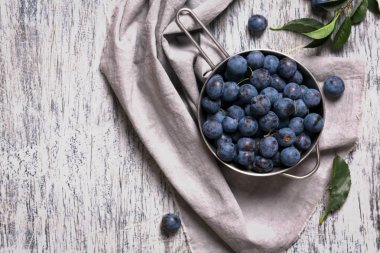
pixel 333 87
pixel 257 23
pixel 170 223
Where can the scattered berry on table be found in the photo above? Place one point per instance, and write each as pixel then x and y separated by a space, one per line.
pixel 170 223
pixel 257 23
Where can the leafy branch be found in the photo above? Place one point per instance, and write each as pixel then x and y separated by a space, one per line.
pixel 343 14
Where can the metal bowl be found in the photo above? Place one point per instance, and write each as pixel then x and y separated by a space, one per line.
pixel 309 81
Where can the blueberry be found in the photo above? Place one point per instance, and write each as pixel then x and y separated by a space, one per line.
pixel 268 147
pixel 257 23
pixel 230 125
pixel 262 165
pixel 210 106
pixel 287 68
pixel 303 89
pixel 276 159
pixel 269 122
pixel 260 78
pixel 248 126
pixel 284 107
pixel 296 78
pixel 283 123
pixel 219 116
pixel 303 141
pixel 313 123
pixel 247 144
pixel 290 156
pixel 246 93
pixel 214 87
pixel 278 83
pixel 271 93
pixel 226 151
pixel 292 91
pixel 170 223
pixel 245 158
pixel 230 91
pixel 235 112
pixel 237 65
pixel 271 63
pixel 301 108
pixel 312 98
pixel 260 105
pixel 255 59
pixel 212 129
pixel 296 124
pixel 223 138
pixel 333 87
pixel 285 137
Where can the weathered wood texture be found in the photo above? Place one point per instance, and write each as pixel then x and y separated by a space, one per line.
pixel 73 174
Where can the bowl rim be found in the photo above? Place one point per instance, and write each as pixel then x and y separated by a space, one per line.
pixel 211 148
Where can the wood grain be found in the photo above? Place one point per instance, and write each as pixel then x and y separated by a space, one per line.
pixel 73 175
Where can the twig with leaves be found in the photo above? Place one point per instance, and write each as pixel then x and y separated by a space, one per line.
pixel 337 34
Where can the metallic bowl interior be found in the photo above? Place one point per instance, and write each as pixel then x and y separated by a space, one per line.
pixel 309 81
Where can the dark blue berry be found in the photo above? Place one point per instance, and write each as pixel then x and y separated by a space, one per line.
pixel 271 63
pixel 292 91
pixel 260 78
pixel 245 158
pixel 255 59
pixel 290 156
pixel 260 105
pixel 287 68
pixel 219 116
pixel 237 65
pixel 278 83
pixel 223 138
pixel 268 147
pixel 284 107
pixel 312 98
pixel 257 23
pixel 247 144
pixel 296 124
pixel 230 91
pixel 212 129
pixel 285 137
pixel 276 159
pixel 210 106
pixel 269 122
pixel 230 125
pixel 170 223
pixel 226 151
pixel 214 87
pixel 235 112
pixel 333 87
pixel 303 141
pixel 301 108
pixel 296 78
pixel 271 93
pixel 246 93
pixel 262 165
pixel 248 126
pixel 313 123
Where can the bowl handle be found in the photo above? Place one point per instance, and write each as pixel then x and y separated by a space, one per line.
pixel 222 51
pixel 311 172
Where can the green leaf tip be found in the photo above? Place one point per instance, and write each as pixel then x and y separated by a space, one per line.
pixel 339 186
pixel 343 34
pixel 324 31
pixel 358 15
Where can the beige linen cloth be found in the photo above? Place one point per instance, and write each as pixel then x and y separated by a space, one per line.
pixel 153 69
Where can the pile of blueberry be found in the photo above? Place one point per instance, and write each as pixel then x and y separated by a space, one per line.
pixel 260 116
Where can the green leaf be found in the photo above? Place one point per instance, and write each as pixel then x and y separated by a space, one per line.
pixel 344 32
pixel 334 6
pixel 359 13
pixel 339 186
pixel 373 6
pixel 302 25
pixel 317 43
pixel 324 31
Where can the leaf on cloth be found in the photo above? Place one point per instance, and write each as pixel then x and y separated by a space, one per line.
pixel 339 186
pixel 374 6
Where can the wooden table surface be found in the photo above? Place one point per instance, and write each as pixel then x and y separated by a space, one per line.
pixel 74 176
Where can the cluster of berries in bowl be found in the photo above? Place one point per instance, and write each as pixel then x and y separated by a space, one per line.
pixel 259 114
